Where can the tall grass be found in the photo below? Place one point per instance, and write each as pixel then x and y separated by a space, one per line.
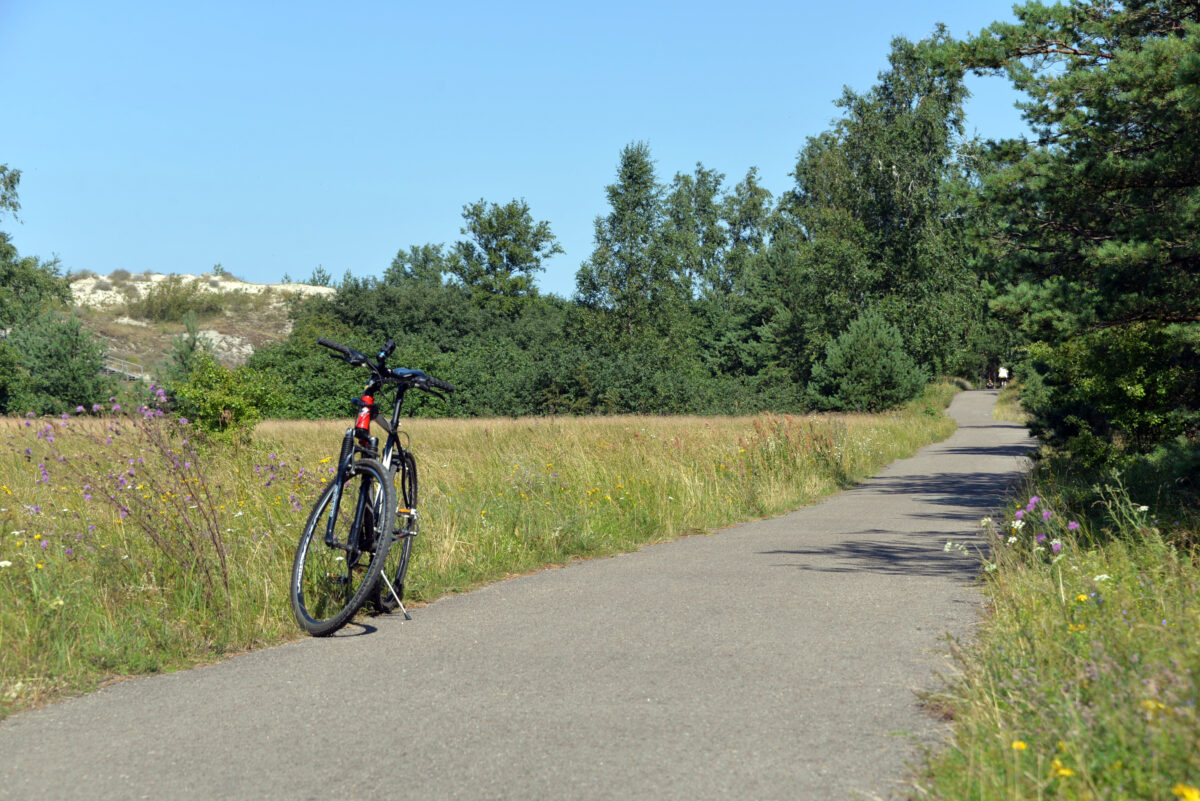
pixel 1084 680
pixel 127 546
pixel 1008 405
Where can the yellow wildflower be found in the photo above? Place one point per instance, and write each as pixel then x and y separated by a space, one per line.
pixel 1081 598
pixel 1019 745
pixel 1186 791
pixel 1060 771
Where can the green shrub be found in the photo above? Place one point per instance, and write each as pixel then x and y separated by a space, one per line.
pixel 62 365
pixel 170 299
pixel 120 275
pixel 1115 391
pixel 224 403
pixel 865 369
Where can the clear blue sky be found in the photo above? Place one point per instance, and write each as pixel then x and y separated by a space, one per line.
pixel 273 137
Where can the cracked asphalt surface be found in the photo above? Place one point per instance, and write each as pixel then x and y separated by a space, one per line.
pixel 776 659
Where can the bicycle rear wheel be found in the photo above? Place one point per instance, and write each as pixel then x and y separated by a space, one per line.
pixel 395 566
pixel 330 583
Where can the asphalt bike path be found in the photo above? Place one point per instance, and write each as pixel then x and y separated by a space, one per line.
pixel 777 659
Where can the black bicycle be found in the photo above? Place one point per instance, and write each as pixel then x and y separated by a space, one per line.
pixel 358 537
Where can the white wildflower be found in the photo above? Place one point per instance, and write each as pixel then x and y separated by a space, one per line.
pixel 985 522
pixel 1012 540
pixel 6 563
pixel 1017 525
pixel 1102 577
pixel 1143 508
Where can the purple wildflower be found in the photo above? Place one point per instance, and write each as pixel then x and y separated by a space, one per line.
pixel 79 410
pixel 1046 515
pixel 1072 526
pixel 1056 546
pixel 1020 513
pixel 116 407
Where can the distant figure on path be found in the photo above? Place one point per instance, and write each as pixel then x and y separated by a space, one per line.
pixel 1003 374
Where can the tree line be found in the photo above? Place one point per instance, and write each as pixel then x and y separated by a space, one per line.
pixel 903 250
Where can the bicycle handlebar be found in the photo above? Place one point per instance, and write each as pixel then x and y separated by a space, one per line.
pixel 416 378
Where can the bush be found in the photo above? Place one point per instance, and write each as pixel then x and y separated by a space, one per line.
pixel 14 379
pixel 865 369
pixel 170 299
pixel 223 403
pixel 64 364
pixel 1116 391
pixel 119 275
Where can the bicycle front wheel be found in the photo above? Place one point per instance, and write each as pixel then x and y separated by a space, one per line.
pixel 330 580
pixel 395 568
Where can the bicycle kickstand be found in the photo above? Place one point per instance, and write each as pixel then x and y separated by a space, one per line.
pixel 395 595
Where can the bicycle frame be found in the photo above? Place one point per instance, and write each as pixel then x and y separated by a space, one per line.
pixel 352 444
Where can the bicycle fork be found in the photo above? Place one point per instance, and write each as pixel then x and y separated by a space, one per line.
pixel 344 458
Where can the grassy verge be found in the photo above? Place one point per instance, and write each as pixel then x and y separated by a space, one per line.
pixel 1084 680
pixel 127 547
pixel 1008 405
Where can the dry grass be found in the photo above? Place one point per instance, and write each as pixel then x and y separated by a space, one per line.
pixel 91 591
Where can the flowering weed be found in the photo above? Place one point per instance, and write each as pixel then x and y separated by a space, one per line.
pixel 1085 678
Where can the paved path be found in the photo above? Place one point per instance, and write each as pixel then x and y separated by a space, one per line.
pixel 772 660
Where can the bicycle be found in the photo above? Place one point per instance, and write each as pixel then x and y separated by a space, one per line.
pixel 361 551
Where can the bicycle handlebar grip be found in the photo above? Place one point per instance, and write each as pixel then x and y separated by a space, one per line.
pixel 440 384
pixel 334 346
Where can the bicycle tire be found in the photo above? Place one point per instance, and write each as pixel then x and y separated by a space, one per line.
pixel 329 584
pixel 395 566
